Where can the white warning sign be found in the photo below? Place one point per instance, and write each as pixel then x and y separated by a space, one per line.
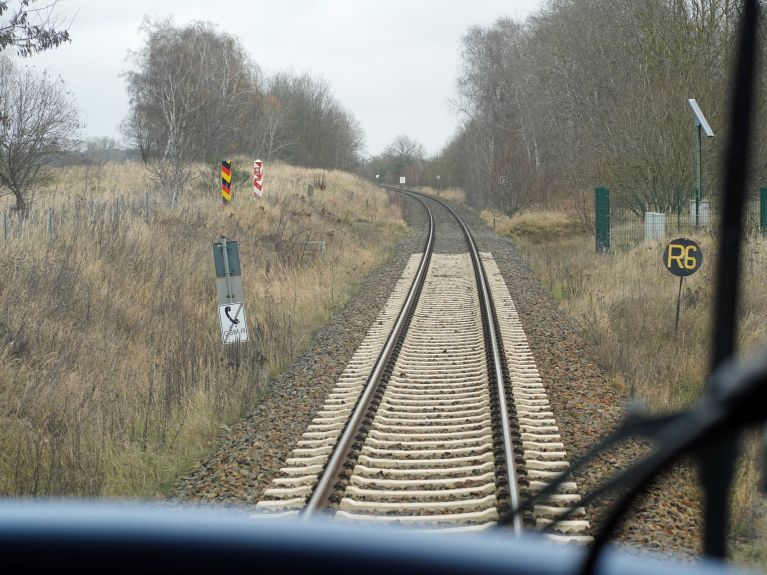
pixel 234 328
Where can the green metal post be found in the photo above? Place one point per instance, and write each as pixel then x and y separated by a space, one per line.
pixel 698 174
pixel 763 210
pixel 602 218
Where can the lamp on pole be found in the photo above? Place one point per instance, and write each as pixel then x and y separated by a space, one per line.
pixel 701 124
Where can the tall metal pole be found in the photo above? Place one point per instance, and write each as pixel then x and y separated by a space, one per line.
pixel 227 273
pixel 698 174
pixel 702 127
pixel 678 305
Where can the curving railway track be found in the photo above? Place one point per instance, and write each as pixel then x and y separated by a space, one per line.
pixel 440 420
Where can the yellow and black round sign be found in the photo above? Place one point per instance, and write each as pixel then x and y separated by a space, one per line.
pixel 682 257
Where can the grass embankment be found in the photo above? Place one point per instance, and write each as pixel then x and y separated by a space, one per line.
pixel 454 195
pixel 625 305
pixel 113 377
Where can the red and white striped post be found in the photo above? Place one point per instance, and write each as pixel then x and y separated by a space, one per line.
pixel 258 179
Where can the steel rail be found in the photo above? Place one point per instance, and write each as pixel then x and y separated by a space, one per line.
pixel 332 471
pixel 490 324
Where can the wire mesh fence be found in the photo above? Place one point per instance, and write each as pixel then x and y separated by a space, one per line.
pixel 620 227
pixel 41 220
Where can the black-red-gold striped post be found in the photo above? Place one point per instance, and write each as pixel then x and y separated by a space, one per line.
pixel 226 181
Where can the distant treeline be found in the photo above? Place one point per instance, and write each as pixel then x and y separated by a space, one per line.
pixel 592 92
pixel 196 95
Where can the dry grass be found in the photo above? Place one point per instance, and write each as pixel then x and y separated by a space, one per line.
pixel 113 377
pixel 453 195
pixel 534 226
pixel 625 304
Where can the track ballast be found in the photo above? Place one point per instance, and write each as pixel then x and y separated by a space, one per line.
pixel 431 427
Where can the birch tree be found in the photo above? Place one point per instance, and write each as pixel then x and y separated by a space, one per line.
pixel 38 123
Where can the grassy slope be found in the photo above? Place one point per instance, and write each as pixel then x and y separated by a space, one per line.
pixel 113 377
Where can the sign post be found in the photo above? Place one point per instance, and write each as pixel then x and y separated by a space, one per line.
pixel 226 182
pixel 682 258
pixel 258 179
pixel 701 124
pixel 231 307
pixel 602 218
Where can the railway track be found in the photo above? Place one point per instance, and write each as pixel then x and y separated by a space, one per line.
pixel 440 420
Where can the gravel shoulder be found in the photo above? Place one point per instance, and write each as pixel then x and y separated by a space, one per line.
pixel 249 455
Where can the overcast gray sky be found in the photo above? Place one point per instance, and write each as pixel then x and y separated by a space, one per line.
pixel 392 63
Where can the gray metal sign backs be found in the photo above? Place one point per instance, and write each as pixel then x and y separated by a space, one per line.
pixel 226 256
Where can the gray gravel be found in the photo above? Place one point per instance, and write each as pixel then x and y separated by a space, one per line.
pixel 248 456
pixel 585 405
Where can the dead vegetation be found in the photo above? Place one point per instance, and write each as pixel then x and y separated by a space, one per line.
pixel 625 304
pixel 113 377
pixel 534 225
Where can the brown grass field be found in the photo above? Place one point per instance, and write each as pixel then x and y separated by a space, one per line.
pixel 113 376
pixel 625 304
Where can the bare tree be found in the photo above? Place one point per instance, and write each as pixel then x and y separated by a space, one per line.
pixel 30 29
pixel 191 91
pixel 404 157
pixel 312 128
pixel 592 91
pixel 38 121
pixel 275 116
pixel 196 96
pixel 101 147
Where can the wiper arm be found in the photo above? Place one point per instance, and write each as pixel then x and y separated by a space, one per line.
pixel 741 401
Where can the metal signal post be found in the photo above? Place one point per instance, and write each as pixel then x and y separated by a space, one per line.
pixel 682 258
pixel 701 124
pixel 231 306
